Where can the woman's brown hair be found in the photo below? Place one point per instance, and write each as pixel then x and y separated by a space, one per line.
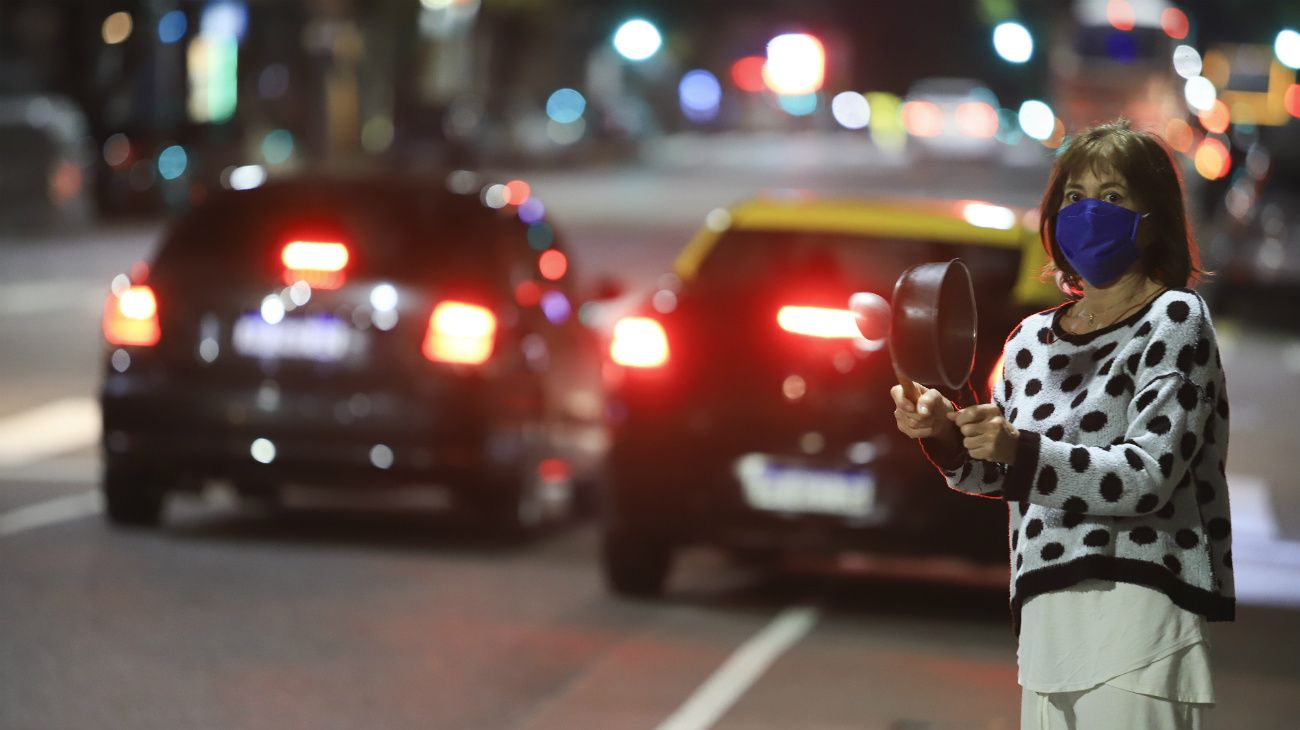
pixel 1169 252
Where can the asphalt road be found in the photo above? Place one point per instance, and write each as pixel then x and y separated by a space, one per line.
pixel 233 616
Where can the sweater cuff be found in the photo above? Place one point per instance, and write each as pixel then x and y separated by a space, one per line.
pixel 944 455
pixel 1020 476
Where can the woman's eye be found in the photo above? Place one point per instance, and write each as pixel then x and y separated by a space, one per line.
pixel 1113 197
pixel 1072 197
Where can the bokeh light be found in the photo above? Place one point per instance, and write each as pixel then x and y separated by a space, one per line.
pixel 977 119
pixel 1120 14
pixel 1200 93
pixel 700 96
pixel 1179 135
pixel 117 150
pixel 532 211
pixel 172 162
pixel 1212 159
pixel 1216 118
pixel 747 74
pixel 552 264
pixel 1013 42
pixel 116 28
pixel 922 119
pixel 496 196
pixel 1291 100
pixel 541 236
pixel 277 146
pixel 565 134
pixel 796 64
pixel 637 40
pixel 1187 62
pixel 566 106
pixel 851 110
pixel 1037 119
pixel 798 105
pixel 519 192
pixel 1287 48
pixel 172 26
pixel 1175 23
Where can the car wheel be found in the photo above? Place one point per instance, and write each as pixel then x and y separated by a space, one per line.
pixel 132 498
pixel 635 564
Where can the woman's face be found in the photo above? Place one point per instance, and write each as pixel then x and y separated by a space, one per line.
pixel 1105 185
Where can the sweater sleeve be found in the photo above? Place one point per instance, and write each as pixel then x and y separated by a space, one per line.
pixel 964 474
pixel 1137 474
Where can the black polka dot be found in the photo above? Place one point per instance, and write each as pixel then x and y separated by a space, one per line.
pixel 1218 528
pixel 1072 519
pixel 1145 399
pixel 1094 421
pixel 1178 311
pixel 1155 353
pixel 1103 352
pixel 1187 445
pixel 965 471
pixel 1006 390
pixel 1208 437
pixel 991 473
pixel 1097 538
pixel 1024 358
pixel 1188 396
pixel 1024 508
pixel 1158 425
pixel 1020 560
pixel 1210 391
pixel 1071 382
pixel 1052 551
pixel 1172 564
pixel 1079 399
pixel 1044 411
pixel 1015 414
pixel 1142 535
pixel 1205 493
pixel 1133 361
pixel 1046 480
pixel 1105 369
pixel 1147 503
pixel 1166 511
pixel 1227 560
pixel 1203 351
pixel 1112 487
pixel 1045 336
pixel 1134 460
pixel 1034 528
pixel 1055 433
pixel 1144 330
pixel 1033 386
pixel 1079 459
pixel 1223 407
pixel 1119 385
pixel 1015 538
pixel 1186 359
pixel 1186 481
pixel 1187 539
pixel 1166 464
pixel 1059 362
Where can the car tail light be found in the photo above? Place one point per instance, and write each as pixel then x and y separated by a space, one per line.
pixel 977 119
pixel 319 263
pixel 639 342
pixel 131 317
pixel 922 119
pixel 995 375
pixel 460 333
pixel 818 322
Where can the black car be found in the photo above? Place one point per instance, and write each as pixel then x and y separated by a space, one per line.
pixel 359 333
pixel 747 412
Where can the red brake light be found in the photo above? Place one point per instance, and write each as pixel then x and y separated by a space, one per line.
pixel 460 333
pixel 977 119
pixel 818 322
pixel 922 119
pixel 131 317
pixel 319 263
pixel 639 342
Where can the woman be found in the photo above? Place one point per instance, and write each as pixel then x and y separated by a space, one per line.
pixel 1107 437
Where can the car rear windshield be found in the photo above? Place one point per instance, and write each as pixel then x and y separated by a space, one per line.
pixel 748 259
pixel 390 231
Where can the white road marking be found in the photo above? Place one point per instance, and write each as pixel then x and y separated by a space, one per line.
pixel 741 670
pixel 53 428
pixel 55 295
pixel 49 512
pixel 69 470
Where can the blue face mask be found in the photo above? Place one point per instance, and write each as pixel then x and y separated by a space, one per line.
pixel 1099 239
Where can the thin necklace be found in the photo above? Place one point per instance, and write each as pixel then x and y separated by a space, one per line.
pixel 1092 316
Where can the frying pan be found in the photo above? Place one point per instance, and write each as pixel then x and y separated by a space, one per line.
pixel 931 325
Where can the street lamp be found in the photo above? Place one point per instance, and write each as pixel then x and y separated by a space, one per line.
pixel 637 40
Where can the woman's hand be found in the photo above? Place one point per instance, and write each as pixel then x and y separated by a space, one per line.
pixel 927 418
pixel 986 434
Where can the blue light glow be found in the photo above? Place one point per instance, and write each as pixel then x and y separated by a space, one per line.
pixel 172 27
pixel 566 106
pixel 700 95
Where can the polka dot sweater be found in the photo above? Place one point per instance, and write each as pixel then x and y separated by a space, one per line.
pixel 1119 471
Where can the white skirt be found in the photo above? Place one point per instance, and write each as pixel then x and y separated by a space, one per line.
pixel 1106 708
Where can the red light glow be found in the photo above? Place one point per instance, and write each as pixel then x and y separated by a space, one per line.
pixel 1212 159
pixel 1175 23
pixel 519 191
pixel 977 119
pixel 460 333
pixel 528 294
pixel 1179 135
pixel 639 342
pixel 922 119
pixel 1120 14
pixel 1216 118
pixel 747 74
pixel 131 318
pixel 318 263
pixel 1291 100
pixel 818 322
pixel 553 264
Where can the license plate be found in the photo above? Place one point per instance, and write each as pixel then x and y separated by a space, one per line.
pixel 776 487
pixel 322 338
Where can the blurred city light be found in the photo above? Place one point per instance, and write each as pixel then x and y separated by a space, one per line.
pixel 1120 14
pixel 1200 93
pixel 1217 118
pixel 117 150
pixel 381 456
pixel 922 119
pixel 977 119
pixel 747 74
pixel 1187 62
pixel 262 451
pixel 518 192
pixel 851 110
pixel 116 28
pixel 247 177
pixel 1037 120
pixel 1291 100
pixel 224 19
pixel 566 106
pixel 1179 135
pixel 384 297
pixel 637 40
pixel 496 196
pixel 1287 48
pixel 540 236
pixel 700 96
pixel 377 134
pixel 565 134
pixel 213 62
pixel 277 146
pixel 718 220
pixel 798 105
pixel 462 182
pixel 1013 42
pixel 639 342
pixel 1212 159
pixel 172 162
pixel 796 65
pixel 172 27
pixel 886 124
pixel 1175 23
pixel 272 309
pixel 1008 127
pixel 532 211
pixel 552 264
pixel 556 306
pixel 984 215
